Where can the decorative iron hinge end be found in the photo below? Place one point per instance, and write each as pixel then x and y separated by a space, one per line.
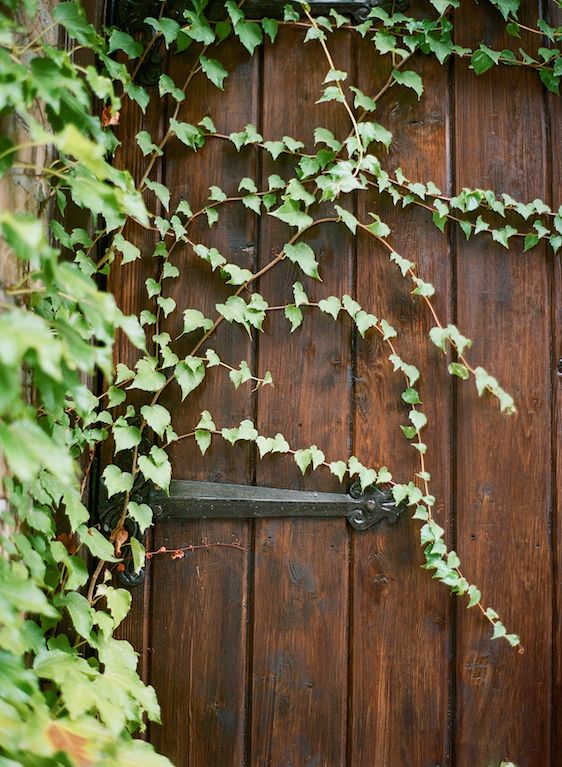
pixel 376 505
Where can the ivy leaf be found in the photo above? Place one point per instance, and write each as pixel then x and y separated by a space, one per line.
pixel 275 148
pixel 161 191
pixel 480 61
pixel 502 235
pixel 410 80
pixel 247 431
pixel 378 227
pixel 193 319
pixel 189 373
pixel 97 545
pixel 294 315
pixel 280 444
pixel 250 35
pixel 290 213
pixel 121 41
pixel 236 275
pixel 339 469
pixel 117 481
pixel 168 28
pixel 418 418
pixel 147 377
pixel 167 85
pixel 188 134
pixel 241 375
pixel 203 440
pixel 166 304
pixel 79 611
pixel 474 596
pixel 156 467
pixel 348 218
pixel 214 70
pixel 303 255
pixel 331 305
pixel 157 418
pixel 130 252
pixel 270 27
pixel 303 459
pixel 459 370
pixel 141 513
pixel 364 321
pixel 125 435
pixel 118 603
pixel 301 299
pixel 265 445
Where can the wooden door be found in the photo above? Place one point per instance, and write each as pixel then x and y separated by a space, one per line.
pixel 299 642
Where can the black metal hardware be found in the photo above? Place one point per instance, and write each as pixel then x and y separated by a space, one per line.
pixel 110 510
pixel 129 15
pixel 215 500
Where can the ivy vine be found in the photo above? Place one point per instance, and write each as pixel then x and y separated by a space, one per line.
pixel 69 686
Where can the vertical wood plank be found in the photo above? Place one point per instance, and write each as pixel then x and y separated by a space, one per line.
pixel 199 613
pixel 504 469
pixel 554 105
pixel 400 624
pixel 299 693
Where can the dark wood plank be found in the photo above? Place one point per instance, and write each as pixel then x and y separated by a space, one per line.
pixel 555 136
pixel 199 606
pixel 299 693
pixel 401 624
pixel 503 464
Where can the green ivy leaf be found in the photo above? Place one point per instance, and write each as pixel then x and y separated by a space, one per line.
pixel 250 35
pixel 294 315
pixel 410 80
pixel 79 611
pixel 141 513
pixel 189 373
pixel 193 319
pixel 303 255
pixel 147 377
pixel 125 436
pixel 157 418
pixel 122 41
pixel 303 459
pixel 331 305
pixel 98 546
pixel 214 70
pixel 290 213
pixel 156 467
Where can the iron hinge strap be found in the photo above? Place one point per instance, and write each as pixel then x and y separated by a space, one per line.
pixel 190 499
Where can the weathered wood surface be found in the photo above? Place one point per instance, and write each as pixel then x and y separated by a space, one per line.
pixel 312 646
pixel 301 565
pixel 400 688
pixel 199 608
pixel 554 179
pixel 503 477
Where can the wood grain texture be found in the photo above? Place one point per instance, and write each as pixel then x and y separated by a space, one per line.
pixel 503 464
pixel 313 646
pixel 554 105
pixel 400 617
pixel 299 683
pixel 199 609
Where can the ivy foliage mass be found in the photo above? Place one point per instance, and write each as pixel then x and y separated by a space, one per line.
pixel 71 693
